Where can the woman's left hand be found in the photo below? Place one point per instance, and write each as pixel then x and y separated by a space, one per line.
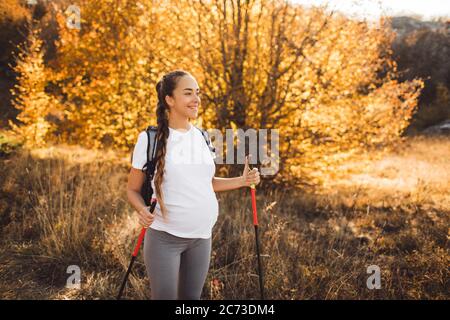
pixel 250 177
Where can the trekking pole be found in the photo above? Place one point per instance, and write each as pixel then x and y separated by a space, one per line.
pixel 255 223
pixel 136 251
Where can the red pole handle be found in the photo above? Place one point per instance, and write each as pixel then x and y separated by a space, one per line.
pixel 255 214
pixel 138 245
pixel 143 230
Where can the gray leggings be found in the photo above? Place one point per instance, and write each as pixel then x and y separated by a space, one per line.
pixel 177 267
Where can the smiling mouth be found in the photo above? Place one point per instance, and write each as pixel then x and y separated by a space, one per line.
pixel 193 108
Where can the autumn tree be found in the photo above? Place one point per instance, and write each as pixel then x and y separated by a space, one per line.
pixel 325 81
pixel 31 99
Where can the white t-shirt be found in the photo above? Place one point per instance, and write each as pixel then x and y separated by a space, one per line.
pixel 192 206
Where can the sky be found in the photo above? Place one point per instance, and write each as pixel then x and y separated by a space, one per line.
pixel 373 9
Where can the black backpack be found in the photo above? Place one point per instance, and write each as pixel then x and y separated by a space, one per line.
pixel 150 165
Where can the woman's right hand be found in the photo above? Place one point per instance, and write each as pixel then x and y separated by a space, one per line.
pixel 145 217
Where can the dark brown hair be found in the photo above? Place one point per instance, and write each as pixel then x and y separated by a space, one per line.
pixel 165 87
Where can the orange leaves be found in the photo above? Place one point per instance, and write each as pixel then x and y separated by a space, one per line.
pixel 31 99
pixel 313 77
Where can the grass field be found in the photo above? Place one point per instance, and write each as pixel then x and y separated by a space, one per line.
pixel 64 205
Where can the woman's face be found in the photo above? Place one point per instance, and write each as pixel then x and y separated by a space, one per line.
pixel 186 98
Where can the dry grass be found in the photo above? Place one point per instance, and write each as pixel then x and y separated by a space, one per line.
pixel 64 205
pixel 416 172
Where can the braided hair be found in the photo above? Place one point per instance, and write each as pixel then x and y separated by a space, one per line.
pixel 165 87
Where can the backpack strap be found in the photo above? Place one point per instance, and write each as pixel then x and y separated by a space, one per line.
pixel 151 150
pixel 207 139
pixel 150 165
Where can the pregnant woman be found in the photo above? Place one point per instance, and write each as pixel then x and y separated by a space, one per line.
pixel 177 244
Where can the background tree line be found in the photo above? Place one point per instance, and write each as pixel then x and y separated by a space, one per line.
pixel 334 87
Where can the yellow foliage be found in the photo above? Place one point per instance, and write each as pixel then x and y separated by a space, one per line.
pixel 33 103
pixel 326 82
